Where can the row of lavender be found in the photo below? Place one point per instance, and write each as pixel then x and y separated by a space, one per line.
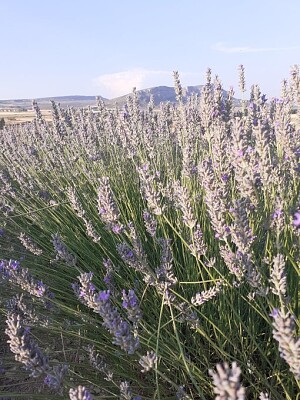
pixel 154 253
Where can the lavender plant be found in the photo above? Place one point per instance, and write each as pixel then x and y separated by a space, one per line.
pixel 186 216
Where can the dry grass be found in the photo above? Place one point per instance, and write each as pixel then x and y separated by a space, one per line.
pixel 14 117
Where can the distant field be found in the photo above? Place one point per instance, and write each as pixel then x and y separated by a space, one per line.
pixel 16 117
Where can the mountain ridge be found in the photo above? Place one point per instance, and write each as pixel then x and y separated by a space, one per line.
pixel 160 94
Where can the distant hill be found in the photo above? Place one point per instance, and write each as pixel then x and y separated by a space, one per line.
pixel 160 94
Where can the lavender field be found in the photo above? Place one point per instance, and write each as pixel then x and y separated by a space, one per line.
pixel 153 253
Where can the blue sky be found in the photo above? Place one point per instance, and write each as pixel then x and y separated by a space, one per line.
pixel 106 47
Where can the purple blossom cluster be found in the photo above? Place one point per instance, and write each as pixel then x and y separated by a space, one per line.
pixel 22 304
pixel 109 278
pixel 289 344
pixel 126 392
pixel 150 223
pixel 80 393
pixel 98 362
pixel 107 207
pixel 226 382
pixel 135 256
pixel 101 303
pixel 149 361
pixel 165 277
pixel 62 252
pixel 12 271
pixel 23 346
pixel 206 295
pixel 199 178
pixel 214 200
pixel 150 190
pixel 183 202
pixel 30 245
pixel 197 247
pixel 130 304
pixel 77 207
pixel 278 277
pixel 28 353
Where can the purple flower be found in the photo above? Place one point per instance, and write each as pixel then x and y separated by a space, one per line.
pixel 296 221
pixel 80 393
pixel 41 288
pixel 107 279
pixel 2 232
pixel 14 273
pixel 129 254
pixel 101 303
pixel 150 223
pixel 107 207
pixel 104 296
pixel 252 106
pixel 227 229
pixel 264 98
pixel 130 303
pixel 92 287
pixel 117 229
pixel 275 312
pixel 24 347
pixel 288 343
pixel 107 263
pixel 194 169
pixel 224 177
pixel 14 264
pixel 277 214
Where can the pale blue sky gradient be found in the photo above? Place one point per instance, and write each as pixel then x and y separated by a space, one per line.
pixel 105 47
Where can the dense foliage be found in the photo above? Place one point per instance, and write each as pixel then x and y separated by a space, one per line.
pixel 153 254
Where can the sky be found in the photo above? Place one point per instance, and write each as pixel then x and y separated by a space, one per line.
pixel 107 47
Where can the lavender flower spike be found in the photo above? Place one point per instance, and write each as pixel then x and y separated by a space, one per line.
pixel 14 273
pixel 227 382
pixel 149 361
pixel 62 251
pixel 80 393
pixel 125 391
pixel 264 396
pixel 28 243
pixel 130 303
pixel 150 223
pixel 107 206
pixel 23 346
pixel 278 276
pixel 206 295
pixel 55 377
pixel 289 345
pixel 100 302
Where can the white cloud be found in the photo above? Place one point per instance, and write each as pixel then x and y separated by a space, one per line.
pixel 121 83
pixel 247 49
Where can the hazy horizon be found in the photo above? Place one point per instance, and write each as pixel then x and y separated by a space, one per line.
pixel 52 49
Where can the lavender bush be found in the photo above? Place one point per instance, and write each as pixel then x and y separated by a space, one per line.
pixel 154 253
